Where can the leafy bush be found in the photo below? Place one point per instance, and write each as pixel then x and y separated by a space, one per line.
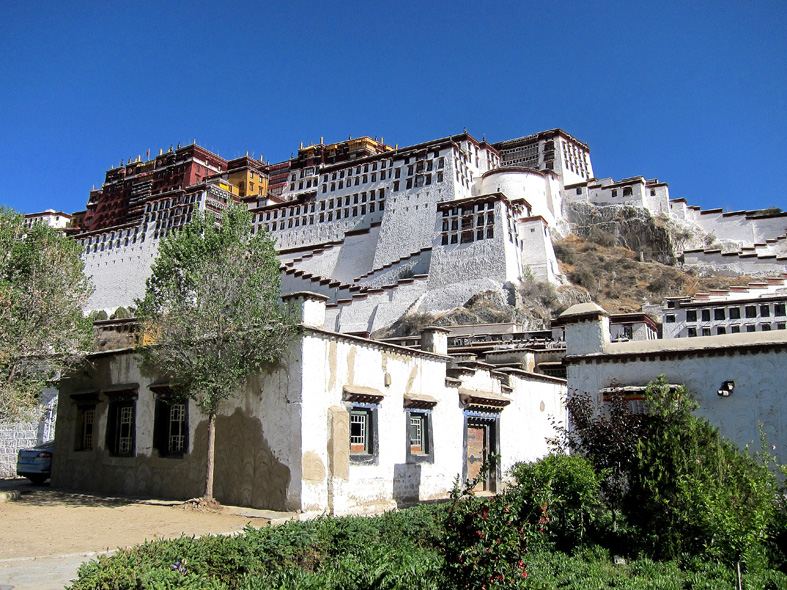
pixel 609 440
pixel 673 485
pixel 98 316
pixel 584 277
pixel 540 296
pixel 660 284
pixel 414 323
pixel 564 490
pixel 602 237
pixel 121 313
pixel 485 539
pixel 351 552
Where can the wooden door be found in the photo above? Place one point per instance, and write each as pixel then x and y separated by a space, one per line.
pixel 477 452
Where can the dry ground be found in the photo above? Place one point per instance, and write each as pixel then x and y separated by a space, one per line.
pixel 44 521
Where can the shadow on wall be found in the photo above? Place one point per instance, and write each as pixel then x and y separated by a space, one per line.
pixel 406 483
pixel 247 473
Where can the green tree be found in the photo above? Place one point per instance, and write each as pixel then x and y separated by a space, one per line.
pixel 42 329
pixel 212 309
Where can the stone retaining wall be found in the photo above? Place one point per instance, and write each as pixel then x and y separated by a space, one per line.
pixel 15 436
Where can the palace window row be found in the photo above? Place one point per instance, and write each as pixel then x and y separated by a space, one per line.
pixel 693 332
pixel 361 169
pixel 329 210
pixel 366 178
pixel 762 310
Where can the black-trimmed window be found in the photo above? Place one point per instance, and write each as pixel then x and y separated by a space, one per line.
pixel 121 426
pixel 171 430
pixel 735 313
pixel 363 433
pixel 360 430
pixel 85 432
pixel 691 315
pixel 420 448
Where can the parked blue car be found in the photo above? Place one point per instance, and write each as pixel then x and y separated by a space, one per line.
pixel 36 463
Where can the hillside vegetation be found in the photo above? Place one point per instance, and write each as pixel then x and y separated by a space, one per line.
pixel 620 282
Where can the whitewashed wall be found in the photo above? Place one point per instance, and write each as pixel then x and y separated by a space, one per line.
pixel 119 273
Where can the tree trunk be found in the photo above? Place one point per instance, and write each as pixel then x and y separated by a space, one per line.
pixel 211 457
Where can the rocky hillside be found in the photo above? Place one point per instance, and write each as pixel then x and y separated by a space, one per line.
pixel 613 276
pixel 617 279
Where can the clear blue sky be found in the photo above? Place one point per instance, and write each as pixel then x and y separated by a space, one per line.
pixel 692 93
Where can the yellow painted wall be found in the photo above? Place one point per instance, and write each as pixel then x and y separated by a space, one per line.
pixel 248 183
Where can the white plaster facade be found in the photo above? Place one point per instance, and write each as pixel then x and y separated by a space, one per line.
pixel 755 362
pixel 50 217
pixel 636 192
pixel 553 150
pixel 288 441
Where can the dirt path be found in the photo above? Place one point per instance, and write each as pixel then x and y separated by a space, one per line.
pixel 45 522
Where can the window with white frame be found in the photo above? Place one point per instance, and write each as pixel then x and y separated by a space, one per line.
pixel 171 428
pixel 417 430
pixel 418 417
pixel 87 420
pixel 361 430
pixel 121 426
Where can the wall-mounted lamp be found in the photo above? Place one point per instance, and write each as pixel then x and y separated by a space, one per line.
pixel 726 388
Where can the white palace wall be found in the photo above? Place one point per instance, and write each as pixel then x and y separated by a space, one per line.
pixel 119 271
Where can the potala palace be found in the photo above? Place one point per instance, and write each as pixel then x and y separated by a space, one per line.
pixel 383 230
pixel 365 233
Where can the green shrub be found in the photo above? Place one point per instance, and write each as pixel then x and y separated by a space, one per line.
pixel 563 490
pixel 98 316
pixel 602 237
pixel 121 313
pixel 485 539
pixel 350 552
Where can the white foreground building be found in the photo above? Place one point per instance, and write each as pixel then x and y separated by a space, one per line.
pixel 342 424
